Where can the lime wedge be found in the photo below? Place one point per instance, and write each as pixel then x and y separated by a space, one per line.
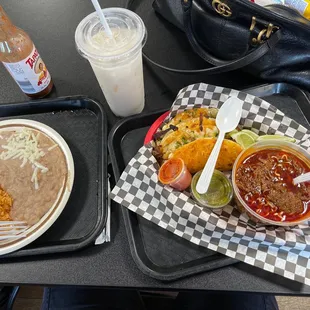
pixel 231 133
pixel 251 133
pixel 247 137
pixel 244 139
pixel 276 137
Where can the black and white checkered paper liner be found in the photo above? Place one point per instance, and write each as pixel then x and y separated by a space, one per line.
pixel 281 250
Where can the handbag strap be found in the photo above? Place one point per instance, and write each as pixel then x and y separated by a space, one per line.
pixel 227 65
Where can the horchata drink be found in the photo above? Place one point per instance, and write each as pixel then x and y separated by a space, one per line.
pixel 117 60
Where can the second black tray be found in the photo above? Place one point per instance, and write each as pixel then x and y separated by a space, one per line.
pixel 81 122
pixel 157 252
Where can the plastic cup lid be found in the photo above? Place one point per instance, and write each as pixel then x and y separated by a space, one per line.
pixel 129 35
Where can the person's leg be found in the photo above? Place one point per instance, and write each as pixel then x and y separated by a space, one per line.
pixel 70 298
pixel 6 295
pixel 225 301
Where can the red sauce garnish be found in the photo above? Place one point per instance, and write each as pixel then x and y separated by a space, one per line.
pixel 175 173
pixel 265 182
pixel 170 170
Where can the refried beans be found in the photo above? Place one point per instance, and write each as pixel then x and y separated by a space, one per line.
pixel 31 204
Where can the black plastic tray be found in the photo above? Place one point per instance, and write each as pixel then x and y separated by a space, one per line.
pixel 81 122
pixel 157 252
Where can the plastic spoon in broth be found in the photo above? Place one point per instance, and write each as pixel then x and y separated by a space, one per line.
pixel 302 178
pixel 227 119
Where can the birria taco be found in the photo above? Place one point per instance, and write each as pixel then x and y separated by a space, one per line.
pixel 191 136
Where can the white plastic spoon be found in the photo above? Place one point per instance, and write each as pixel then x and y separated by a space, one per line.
pixel 227 119
pixel 302 178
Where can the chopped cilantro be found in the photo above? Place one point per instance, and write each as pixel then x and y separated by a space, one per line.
pixel 184 140
pixel 178 144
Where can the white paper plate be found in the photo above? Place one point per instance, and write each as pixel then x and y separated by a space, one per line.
pixel 51 216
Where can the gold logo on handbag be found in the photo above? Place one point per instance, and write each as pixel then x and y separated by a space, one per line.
pixel 221 8
pixel 264 34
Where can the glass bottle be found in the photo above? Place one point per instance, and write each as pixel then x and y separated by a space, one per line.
pixel 22 60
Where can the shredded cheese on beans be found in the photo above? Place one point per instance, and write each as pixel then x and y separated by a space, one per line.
pixel 23 145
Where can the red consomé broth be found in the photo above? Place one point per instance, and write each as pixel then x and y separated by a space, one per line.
pixel 265 183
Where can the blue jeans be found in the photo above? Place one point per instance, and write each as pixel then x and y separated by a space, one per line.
pixel 71 298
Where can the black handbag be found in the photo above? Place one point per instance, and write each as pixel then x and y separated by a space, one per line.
pixel 272 42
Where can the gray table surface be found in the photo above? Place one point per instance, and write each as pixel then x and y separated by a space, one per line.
pixel 51 24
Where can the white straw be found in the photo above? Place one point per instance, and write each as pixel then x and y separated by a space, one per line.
pixel 102 18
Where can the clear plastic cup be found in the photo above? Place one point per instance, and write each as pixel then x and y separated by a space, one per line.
pixel 117 61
